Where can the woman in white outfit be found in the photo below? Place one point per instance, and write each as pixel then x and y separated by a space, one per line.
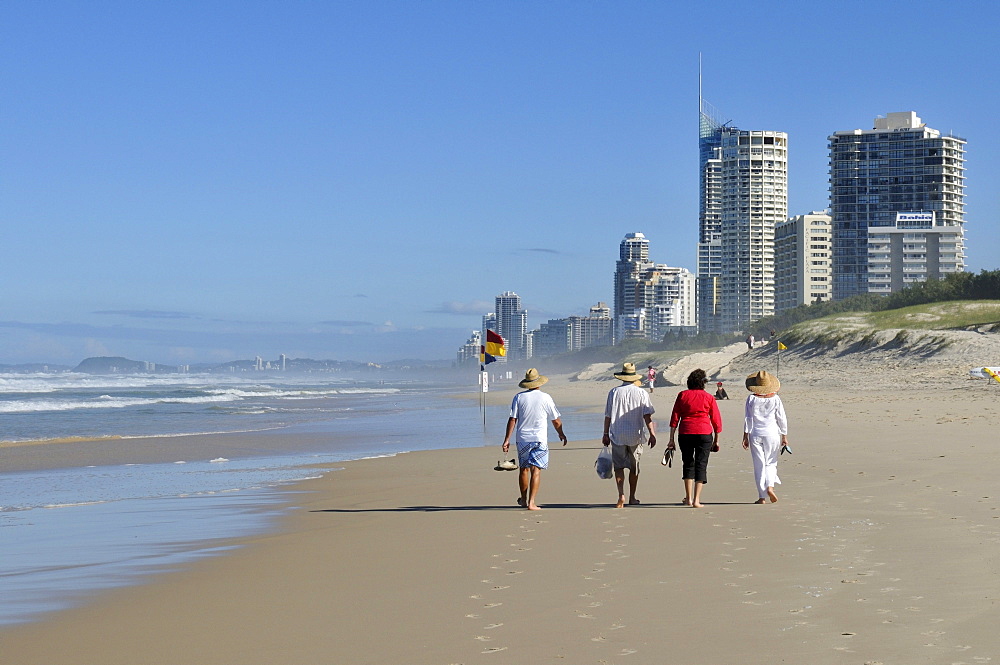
pixel 765 431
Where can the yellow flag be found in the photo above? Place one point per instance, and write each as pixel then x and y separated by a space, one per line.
pixel 781 347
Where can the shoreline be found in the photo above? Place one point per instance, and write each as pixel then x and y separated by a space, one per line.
pixel 880 550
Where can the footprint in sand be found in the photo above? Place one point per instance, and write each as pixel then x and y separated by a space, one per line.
pixel 586 616
pixel 494 649
pixel 483 638
pixel 599 638
pixel 500 588
pixel 492 626
pixel 489 605
pixel 627 652
pixel 471 616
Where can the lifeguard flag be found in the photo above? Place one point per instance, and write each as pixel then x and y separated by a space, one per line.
pixel 781 347
pixel 494 345
pixel 485 358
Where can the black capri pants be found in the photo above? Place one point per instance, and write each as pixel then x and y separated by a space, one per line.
pixel 695 449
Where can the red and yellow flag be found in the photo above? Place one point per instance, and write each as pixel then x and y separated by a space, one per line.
pixel 494 344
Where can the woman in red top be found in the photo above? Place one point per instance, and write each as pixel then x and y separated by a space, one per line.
pixel 696 415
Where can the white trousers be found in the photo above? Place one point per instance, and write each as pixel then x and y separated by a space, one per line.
pixel 764 449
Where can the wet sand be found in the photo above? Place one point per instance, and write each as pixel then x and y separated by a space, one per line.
pixel 882 549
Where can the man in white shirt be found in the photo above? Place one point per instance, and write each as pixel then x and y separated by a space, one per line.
pixel 627 416
pixel 530 413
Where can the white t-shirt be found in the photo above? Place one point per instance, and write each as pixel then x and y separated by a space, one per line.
pixel 627 406
pixel 533 410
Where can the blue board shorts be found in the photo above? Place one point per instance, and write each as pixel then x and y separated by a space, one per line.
pixel 533 453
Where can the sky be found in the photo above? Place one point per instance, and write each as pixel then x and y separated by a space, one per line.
pixel 187 182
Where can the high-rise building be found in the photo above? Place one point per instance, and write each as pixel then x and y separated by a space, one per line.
pixel 897 199
pixel 469 352
pixel 744 195
pixel 711 130
pixel 650 298
pixel 552 338
pixel 633 255
pixel 667 295
pixel 802 263
pixel 512 324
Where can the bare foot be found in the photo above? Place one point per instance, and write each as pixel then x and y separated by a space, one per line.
pixel 520 501
pixel 771 495
pixel 697 505
pixel 621 502
pixel 759 501
pixel 685 502
pixel 633 502
pixel 532 506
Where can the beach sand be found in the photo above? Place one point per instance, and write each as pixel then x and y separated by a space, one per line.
pixel 883 549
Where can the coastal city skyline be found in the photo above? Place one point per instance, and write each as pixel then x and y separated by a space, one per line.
pixel 197 184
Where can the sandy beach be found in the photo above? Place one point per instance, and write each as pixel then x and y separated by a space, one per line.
pixel 881 550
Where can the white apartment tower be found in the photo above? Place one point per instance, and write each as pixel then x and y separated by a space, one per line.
pixel 633 256
pixel 754 201
pixel 512 324
pixel 650 298
pixel 897 198
pixel 743 196
pixel 803 272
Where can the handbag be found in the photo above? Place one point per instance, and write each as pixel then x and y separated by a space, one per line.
pixel 604 465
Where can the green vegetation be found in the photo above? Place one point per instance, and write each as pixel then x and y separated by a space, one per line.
pixel 963 286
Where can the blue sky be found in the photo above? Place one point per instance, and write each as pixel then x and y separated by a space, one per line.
pixel 202 181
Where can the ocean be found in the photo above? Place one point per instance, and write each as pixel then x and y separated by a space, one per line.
pixel 67 531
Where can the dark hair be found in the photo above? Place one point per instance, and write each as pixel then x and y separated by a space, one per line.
pixel 697 380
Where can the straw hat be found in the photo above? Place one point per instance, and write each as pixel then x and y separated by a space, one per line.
pixel 532 379
pixel 763 383
pixel 628 374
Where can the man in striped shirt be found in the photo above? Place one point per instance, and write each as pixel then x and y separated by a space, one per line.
pixel 628 415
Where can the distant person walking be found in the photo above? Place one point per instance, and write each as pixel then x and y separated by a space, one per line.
pixel 696 417
pixel 530 413
pixel 651 378
pixel 750 342
pixel 765 431
pixel 627 417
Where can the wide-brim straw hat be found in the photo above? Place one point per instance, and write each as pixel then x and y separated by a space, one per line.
pixel 628 373
pixel 763 383
pixel 532 379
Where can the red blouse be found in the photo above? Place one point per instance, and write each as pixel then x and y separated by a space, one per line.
pixel 697 412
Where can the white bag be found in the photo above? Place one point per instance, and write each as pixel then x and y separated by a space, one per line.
pixel 604 466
